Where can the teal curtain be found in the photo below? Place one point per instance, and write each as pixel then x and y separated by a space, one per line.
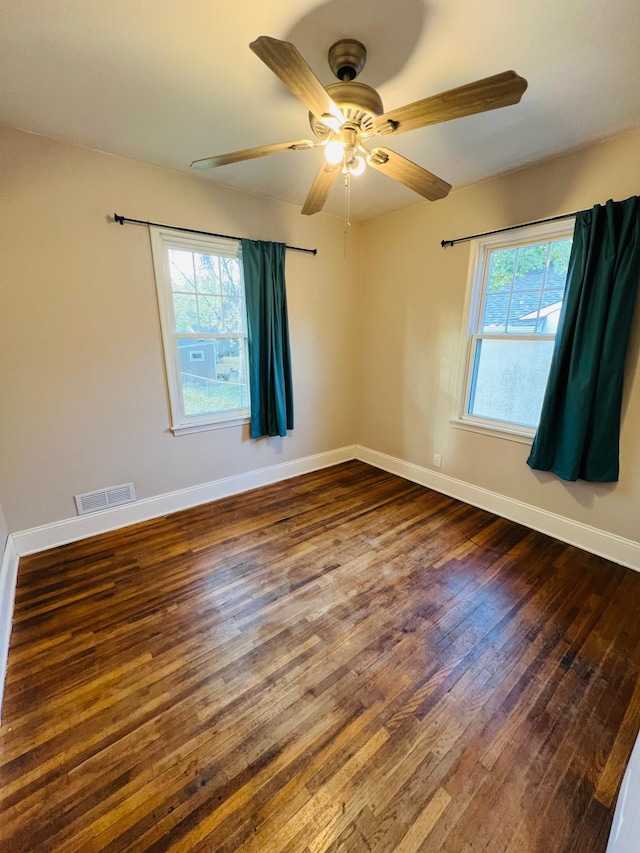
pixel 578 435
pixel 268 334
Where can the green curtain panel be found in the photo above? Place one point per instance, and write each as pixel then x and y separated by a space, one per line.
pixel 268 333
pixel 578 435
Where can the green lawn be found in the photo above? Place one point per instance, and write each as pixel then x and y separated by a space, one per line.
pixel 208 396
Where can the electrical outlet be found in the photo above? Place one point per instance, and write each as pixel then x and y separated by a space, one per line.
pixel 437 460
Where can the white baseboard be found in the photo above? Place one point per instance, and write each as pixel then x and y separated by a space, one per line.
pixel 626 552
pixel 8 578
pixel 72 529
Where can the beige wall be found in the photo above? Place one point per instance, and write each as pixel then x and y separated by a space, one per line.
pixel 82 381
pixel 4 532
pixel 411 317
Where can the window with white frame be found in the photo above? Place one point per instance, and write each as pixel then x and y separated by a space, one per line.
pixel 516 289
pixel 204 329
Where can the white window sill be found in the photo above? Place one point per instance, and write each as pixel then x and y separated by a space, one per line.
pixel 186 429
pixel 523 436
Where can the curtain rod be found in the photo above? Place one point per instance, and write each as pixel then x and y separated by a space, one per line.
pixel 445 243
pixel 123 219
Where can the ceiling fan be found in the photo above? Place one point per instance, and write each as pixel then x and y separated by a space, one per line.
pixel 347 114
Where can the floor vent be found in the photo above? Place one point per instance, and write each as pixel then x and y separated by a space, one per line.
pixel 105 498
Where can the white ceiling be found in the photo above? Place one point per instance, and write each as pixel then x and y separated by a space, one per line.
pixel 168 81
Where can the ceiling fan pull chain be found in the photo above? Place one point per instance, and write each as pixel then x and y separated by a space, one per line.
pixel 347 206
pixel 347 183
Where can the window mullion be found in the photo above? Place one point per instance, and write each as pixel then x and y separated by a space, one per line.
pixel 481 303
pixel 513 279
pixel 543 285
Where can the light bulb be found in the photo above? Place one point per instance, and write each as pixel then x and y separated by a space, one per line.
pixel 333 152
pixel 357 165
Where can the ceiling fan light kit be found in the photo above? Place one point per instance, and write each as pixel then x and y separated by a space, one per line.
pixel 345 114
pixel 357 165
pixel 333 152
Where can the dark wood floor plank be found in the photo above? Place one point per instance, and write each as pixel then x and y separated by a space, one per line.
pixel 338 663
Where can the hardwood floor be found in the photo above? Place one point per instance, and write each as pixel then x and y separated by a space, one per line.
pixel 342 662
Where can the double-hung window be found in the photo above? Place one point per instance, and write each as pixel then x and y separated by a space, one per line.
pixel 204 329
pixel 516 289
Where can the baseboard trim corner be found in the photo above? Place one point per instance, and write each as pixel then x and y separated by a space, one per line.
pixel 8 579
pixel 81 527
pixel 619 550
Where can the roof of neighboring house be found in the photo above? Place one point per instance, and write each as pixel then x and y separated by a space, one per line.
pixel 520 305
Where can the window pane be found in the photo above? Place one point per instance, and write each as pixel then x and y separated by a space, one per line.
pixel 559 262
pixel 207 277
pixel 210 310
pixel 509 379
pixel 214 376
pixel 233 314
pixel 550 312
pixel 501 270
pixel 181 271
pixel 531 267
pixel 230 276
pixel 186 313
pixel 523 314
pixel 496 309
pixel 525 289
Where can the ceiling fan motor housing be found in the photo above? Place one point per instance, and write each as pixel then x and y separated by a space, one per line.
pixel 360 105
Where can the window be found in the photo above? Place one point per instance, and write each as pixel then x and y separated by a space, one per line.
pixel 516 291
pixel 204 329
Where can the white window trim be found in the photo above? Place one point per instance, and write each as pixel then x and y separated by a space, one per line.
pixel 527 235
pixel 161 238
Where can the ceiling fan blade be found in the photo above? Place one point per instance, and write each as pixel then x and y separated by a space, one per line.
pixel 501 90
pixel 408 173
pixel 284 59
pixel 251 153
pixel 319 191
